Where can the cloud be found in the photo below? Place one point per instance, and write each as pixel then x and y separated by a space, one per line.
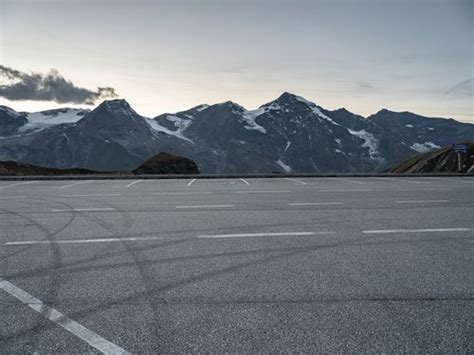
pixel 17 85
pixel 366 85
pixel 463 88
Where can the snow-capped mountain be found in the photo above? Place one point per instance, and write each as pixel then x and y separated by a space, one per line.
pixel 289 134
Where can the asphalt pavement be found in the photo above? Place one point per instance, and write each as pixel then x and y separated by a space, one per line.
pixel 314 265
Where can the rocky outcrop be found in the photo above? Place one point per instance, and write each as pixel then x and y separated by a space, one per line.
pixel 444 160
pixel 165 163
pixel 12 168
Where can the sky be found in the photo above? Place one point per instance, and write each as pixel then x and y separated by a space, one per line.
pixel 170 55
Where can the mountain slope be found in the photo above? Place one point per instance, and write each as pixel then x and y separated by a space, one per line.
pixel 288 134
pixel 442 160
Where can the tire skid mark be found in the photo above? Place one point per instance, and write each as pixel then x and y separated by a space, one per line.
pixel 135 255
pixel 56 263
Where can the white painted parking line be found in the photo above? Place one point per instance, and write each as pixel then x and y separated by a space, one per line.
pixel 18 184
pixel 270 234
pixel 87 335
pixel 83 210
pixel 82 241
pixel 205 206
pixel 11 197
pixel 432 178
pixel 425 189
pixel 191 182
pixel 183 193
pixel 133 183
pixel 75 184
pixel 431 230
pixel 315 203
pixel 423 201
pixel 296 181
pixel 345 190
pixel 348 180
pixel 90 195
pixel 244 181
pixel 411 181
pixel 383 178
pixel 262 191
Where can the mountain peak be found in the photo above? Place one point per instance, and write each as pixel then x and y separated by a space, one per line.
pixel 286 95
pixel 115 104
pixel 118 106
pixel 288 98
pixel 232 105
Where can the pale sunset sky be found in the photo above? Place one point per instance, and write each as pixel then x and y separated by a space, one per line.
pixel 170 55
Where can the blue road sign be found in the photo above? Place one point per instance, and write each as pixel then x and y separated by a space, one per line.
pixel 460 148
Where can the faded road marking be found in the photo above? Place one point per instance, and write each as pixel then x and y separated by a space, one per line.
pixel 75 184
pixel 433 230
pixel 183 193
pixel 81 241
pixel 262 191
pixel 296 181
pixel 90 337
pixel 83 210
pixel 244 181
pixel 348 180
pixel 133 183
pixel 345 190
pixel 205 206
pixel 423 201
pixel 315 203
pixel 90 195
pixel 270 234
pixel 18 183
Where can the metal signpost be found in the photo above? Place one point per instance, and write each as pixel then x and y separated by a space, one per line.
pixel 460 149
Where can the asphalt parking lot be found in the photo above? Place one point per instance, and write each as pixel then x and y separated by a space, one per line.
pixel 369 264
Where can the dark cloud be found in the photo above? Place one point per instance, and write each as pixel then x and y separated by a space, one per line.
pixel 16 85
pixel 463 88
pixel 366 85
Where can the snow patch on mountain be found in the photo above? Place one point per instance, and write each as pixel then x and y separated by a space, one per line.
pixel 316 110
pixel 249 118
pixel 284 166
pixel 370 142
pixel 201 107
pixel 272 106
pixel 44 119
pixel 180 123
pixel 424 147
pixel 10 111
pixel 67 138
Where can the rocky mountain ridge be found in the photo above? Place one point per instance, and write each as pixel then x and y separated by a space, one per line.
pixel 288 134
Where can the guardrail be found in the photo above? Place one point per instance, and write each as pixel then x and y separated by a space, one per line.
pixel 220 176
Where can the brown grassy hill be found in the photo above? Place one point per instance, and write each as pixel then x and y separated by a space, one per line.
pixel 162 163
pixel 443 160
pixel 165 163
pixel 12 168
